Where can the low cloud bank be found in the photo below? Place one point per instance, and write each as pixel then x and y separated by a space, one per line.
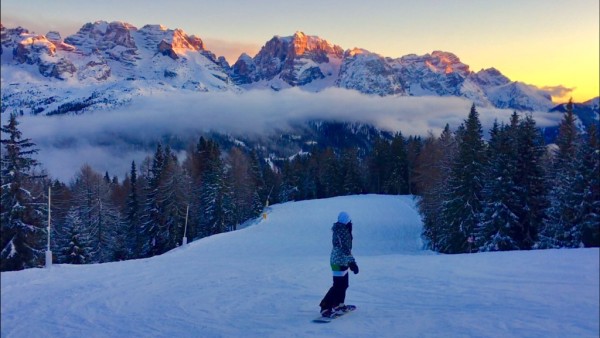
pixel 104 139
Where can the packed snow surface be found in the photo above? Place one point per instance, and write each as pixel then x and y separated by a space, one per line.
pixel 266 280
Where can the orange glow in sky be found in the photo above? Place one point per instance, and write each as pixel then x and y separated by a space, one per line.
pixel 552 44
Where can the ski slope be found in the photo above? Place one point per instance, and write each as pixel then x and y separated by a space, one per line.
pixel 267 280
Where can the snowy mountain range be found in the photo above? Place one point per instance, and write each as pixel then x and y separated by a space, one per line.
pixel 105 65
pixel 267 279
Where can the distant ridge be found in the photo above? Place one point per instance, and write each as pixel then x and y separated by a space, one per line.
pixel 105 65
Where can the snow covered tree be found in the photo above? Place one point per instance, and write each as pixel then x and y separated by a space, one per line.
pixel 263 177
pixel 529 179
pixel 563 224
pixel 414 145
pixel 173 200
pixel 214 202
pixel 431 179
pixel 397 183
pixel 589 169
pixel 133 215
pixel 100 218
pixel 151 218
pixel 329 173
pixel 495 231
pixel 379 165
pixel 352 172
pixel 22 226
pixel 242 179
pixel 74 245
pixel 463 205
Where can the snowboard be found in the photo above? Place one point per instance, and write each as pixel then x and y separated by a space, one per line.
pixel 351 308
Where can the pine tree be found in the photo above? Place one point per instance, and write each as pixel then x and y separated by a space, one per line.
pixel 329 173
pixel 101 219
pixel 288 189
pixel 379 163
pixel 397 183
pixel 21 215
pixel 133 216
pixel 61 205
pixel 173 200
pixel 352 172
pixel 463 205
pixel 529 179
pixel 242 178
pixel 414 145
pixel 73 241
pixel 589 175
pixel 214 202
pixel 495 231
pixel 259 173
pixel 563 224
pixel 431 168
pixel 195 166
pixel 152 214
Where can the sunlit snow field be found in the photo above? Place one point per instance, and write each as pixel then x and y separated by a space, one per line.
pixel 267 280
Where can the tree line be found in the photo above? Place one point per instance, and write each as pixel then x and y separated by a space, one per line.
pixel 505 193
pixel 512 192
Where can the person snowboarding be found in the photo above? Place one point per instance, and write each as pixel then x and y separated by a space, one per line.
pixel 341 260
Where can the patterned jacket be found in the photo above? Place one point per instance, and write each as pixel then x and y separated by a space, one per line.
pixel 341 254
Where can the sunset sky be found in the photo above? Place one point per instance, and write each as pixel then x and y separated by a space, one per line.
pixel 547 43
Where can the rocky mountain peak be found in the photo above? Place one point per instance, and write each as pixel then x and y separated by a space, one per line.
pixel 33 49
pixel 171 42
pixel 447 63
pixel 103 36
pixel 302 44
pixel 490 77
pixel 129 59
pixel 293 59
pixel 53 36
pixel 355 51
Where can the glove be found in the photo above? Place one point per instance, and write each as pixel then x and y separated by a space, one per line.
pixel 353 267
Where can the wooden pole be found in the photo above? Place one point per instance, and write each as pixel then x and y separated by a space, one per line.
pixel 184 242
pixel 48 252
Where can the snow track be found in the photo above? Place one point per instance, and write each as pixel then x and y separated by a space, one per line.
pixel 266 281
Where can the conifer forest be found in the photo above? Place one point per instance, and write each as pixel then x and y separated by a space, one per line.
pixel 496 190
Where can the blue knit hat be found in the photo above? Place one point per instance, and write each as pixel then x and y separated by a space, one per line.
pixel 344 218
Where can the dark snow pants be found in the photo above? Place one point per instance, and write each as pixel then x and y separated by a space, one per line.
pixel 336 294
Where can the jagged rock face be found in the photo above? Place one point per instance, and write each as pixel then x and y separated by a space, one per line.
pixel 179 41
pixel 439 73
pixel 490 77
pixel 96 69
pixel 368 73
pixel 519 96
pixel 170 42
pixel 131 61
pixel 314 48
pixel 112 40
pixel 244 70
pixel 294 59
pixel 107 64
pixel 10 37
pixel 41 51
pixel 103 36
pixel 32 50
pixel 58 42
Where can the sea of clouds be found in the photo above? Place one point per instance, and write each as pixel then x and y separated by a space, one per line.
pixel 110 140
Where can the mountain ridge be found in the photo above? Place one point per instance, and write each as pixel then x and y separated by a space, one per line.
pixel 105 65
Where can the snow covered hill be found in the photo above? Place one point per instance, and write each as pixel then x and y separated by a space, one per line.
pixel 267 280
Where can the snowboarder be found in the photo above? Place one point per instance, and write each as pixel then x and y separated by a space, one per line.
pixel 341 259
